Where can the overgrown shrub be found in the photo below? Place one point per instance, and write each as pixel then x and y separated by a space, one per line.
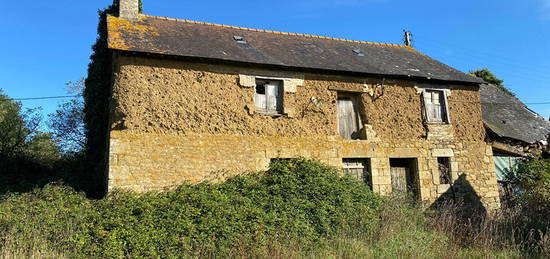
pixel 531 181
pixel 533 177
pixel 297 209
pixel 299 203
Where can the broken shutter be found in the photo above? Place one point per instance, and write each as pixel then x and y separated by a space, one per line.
pixel 357 168
pixel 436 101
pixel 260 97
pixel 268 96
pixel 434 106
pixel 348 118
pixel 399 179
pixel 272 92
pixel 428 109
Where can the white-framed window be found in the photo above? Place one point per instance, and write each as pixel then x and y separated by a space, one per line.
pixel 268 96
pixel 435 106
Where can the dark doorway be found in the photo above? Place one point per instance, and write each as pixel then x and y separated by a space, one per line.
pixel 404 176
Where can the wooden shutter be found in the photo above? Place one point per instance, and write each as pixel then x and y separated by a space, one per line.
pixel 428 107
pixel 358 168
pixel 260 97
pixel 399 179
pixel 354 168
pixel 348 118
pixel 446 116
pixel 271 94
pixel 435 106
pixel 436 101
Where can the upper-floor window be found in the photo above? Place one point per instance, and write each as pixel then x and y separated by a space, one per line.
pixel 269 96
pixel 349 121
pixel 435 106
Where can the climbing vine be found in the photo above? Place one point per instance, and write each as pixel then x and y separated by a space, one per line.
pixel 96 100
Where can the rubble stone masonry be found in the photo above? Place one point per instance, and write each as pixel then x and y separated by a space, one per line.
pixel 174 122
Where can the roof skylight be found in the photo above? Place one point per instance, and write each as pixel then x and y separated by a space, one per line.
pixel 359 52
pixel 240 39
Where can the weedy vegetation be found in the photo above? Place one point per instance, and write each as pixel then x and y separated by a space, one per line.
pixel 297 209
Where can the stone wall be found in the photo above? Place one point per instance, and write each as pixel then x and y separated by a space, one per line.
pixel 175 122
pixel 129 9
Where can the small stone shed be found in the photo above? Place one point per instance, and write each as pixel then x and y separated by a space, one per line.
pixel 191 100
pixel 513 130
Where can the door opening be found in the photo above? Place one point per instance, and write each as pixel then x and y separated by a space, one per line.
pixel 404 176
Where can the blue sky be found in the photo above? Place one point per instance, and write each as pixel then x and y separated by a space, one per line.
pixel 45 44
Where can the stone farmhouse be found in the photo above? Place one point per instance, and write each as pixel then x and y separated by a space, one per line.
pixel 194 101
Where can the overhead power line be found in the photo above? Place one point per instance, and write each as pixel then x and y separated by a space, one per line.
pixel 74 96
pixel 44 98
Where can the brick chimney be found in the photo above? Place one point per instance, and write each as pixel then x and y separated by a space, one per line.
pixel 128 9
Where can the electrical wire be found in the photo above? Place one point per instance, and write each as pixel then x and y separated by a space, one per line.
pixel 44 98
pixel 74 96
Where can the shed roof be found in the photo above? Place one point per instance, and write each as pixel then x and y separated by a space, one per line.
pixel 158 35
pixel 508 117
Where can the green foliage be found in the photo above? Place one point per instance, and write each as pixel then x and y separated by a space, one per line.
pixel 297 209
pixel 533 176
pixel 26 153
pixel 299 202
pixel 96 101
pixel 490 78
pixel 67 125
pixel 19 134
pixel 67 122
pixel 532 179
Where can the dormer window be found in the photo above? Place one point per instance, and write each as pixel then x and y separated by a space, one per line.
pixel 435 106
pixel 268 96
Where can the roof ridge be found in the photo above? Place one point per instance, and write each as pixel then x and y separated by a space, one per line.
pixel 279 32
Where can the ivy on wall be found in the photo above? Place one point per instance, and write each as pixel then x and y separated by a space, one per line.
pixel 97 93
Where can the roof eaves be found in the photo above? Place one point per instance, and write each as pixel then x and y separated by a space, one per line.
pixel 302 69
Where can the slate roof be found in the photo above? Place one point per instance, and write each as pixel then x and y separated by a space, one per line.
pixel 158 35
pixel 508 117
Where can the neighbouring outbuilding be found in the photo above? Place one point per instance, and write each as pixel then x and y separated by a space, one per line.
pixel 513 130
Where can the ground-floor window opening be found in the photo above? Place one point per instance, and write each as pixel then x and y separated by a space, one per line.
pixel 358 168
pixel 444 166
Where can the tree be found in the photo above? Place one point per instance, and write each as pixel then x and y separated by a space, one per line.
pixel 490 78
pixel 67 122
pixel 20 134
pixel 27 155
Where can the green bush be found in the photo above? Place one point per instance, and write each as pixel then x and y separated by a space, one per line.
pixel 533 176
pixel 532 202
pixel 297 209
pixel 296 202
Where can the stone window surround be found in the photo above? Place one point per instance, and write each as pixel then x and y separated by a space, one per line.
pixel 290 85
pixel 446 90
pixel 445 152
